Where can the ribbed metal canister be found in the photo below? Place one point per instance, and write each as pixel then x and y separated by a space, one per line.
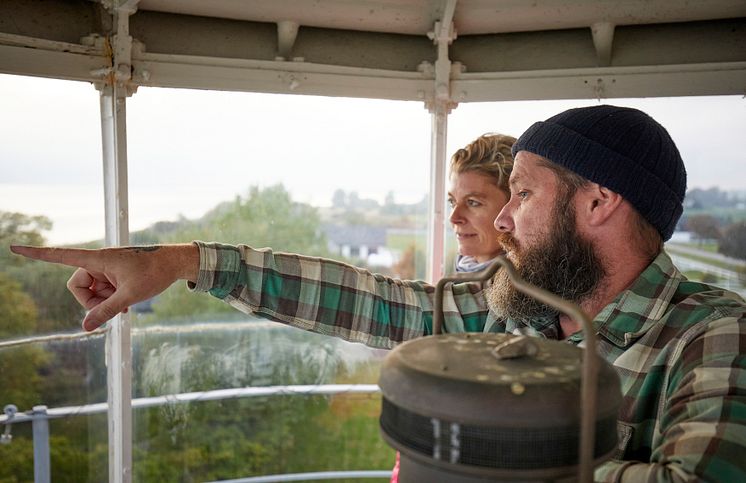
pixel 458 413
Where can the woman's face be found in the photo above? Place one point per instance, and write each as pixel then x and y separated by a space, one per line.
pixel 475 202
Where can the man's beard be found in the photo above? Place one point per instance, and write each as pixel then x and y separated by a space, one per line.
pixel 563 263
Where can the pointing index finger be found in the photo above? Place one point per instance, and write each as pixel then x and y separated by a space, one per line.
pixel 74 257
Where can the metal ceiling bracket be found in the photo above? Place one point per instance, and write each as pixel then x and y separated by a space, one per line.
pixel 10 411
pixel 603 38
pixel 598 89
pixel 128 6
pixel 287 32
pixel 443 35
pixel 440 104
pixel 118 47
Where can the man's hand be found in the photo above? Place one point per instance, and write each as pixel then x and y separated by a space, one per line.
pixel 109 280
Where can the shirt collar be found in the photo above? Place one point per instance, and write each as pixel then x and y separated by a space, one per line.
pixel 643 304
pixel 632 313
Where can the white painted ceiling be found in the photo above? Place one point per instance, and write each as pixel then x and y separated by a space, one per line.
pixel 472 17
pixel 500 49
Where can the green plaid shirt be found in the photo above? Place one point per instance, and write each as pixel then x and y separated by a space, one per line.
pixel 678 346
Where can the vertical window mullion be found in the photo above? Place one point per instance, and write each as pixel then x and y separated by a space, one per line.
pixel 437 219
pixel 118 342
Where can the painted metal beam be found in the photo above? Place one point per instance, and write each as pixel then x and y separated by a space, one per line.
pixel 114 92
pixel 604 83
pixel 439 105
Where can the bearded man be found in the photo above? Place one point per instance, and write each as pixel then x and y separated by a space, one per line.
pixel 594 194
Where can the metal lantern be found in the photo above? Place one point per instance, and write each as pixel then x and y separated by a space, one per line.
pixel 496 407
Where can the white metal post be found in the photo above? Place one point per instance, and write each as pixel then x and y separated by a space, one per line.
pixel 118 343
pixel 436 231
pixel 440 106
pixel 114 92
pixel 40 431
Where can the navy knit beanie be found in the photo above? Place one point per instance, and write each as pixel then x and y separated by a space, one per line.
pixel 620 148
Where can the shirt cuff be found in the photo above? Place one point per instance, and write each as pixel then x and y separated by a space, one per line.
pixel 219 268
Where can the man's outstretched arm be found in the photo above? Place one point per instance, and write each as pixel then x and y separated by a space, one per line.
pixel 109 280
pixel 310 293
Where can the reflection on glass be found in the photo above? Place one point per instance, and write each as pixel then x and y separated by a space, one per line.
pixel 43 198
pixel 339 178
pixel 259 435
pixel 318 182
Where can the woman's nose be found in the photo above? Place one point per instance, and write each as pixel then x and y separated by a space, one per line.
pixel 455 216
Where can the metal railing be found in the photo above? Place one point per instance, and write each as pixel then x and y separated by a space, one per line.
pixel 39 417
pixel 315 476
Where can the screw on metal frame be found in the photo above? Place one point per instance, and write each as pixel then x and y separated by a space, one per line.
pixel 10 411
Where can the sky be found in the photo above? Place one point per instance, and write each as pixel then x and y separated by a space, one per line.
pixel 191 149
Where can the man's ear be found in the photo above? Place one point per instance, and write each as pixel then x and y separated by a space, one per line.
pixel 599 204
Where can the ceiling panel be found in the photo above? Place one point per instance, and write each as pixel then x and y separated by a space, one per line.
pixel 373 48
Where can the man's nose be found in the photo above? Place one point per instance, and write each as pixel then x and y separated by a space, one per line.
pixel 504 221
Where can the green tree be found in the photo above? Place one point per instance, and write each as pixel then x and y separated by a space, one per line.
pixel 733 242
pixel 34 299
pixel 47 285
pixel 68 463
pixel 18 312
pixel 389 200
pixel 704 227
pixel 264 218
pixel 44 282
pixel 19 366
pixel 339 199
pixel 20 229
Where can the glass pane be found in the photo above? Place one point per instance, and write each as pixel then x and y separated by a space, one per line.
pixel 710 241
pixel 317 176
pixel 50 192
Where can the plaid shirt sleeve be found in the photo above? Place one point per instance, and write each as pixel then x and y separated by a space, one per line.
pixel 333 298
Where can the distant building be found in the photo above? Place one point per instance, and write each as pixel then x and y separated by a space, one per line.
pixel 359 242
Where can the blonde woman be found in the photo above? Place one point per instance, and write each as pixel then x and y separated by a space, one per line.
pixel 478 190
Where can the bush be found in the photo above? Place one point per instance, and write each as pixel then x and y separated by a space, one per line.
pixel 733 242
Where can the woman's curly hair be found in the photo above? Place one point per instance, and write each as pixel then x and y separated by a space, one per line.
pixel 488 154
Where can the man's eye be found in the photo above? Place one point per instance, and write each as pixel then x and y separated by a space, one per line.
pixel 451 202
pixel 522 194
pixel 474 203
